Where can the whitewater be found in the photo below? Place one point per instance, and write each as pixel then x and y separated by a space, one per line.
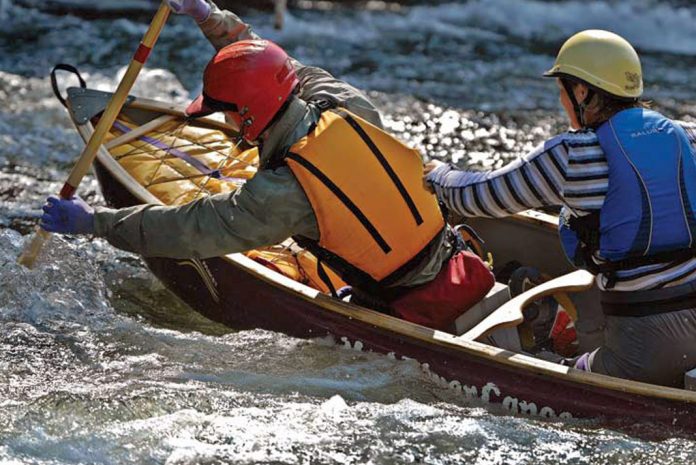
pixel 100 364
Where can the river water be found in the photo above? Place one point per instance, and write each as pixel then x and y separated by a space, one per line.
pixel 99 364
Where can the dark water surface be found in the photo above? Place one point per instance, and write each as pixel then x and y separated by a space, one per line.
pixel 100 364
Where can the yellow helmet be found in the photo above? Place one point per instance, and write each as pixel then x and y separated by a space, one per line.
pixel 602 59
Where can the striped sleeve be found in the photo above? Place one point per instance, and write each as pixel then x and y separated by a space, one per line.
pixel 534 181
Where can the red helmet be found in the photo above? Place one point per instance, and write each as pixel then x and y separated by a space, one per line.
pixel 249 79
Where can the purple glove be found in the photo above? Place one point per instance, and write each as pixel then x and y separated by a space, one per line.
pixel 71 216
pixel 197 9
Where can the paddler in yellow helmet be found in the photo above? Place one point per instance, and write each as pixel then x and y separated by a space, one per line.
pixel 625 177
pixel 329 176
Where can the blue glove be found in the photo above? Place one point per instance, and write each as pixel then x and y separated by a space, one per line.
pixel 71 216
pixel 197 9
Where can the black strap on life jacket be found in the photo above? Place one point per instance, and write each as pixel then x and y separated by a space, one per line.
pixel 405 195
pixel 359 279
pixel 324 276
pixel 344 199
pixel 650 302
pixel 323 103
pixel 588 232
pixel 363 282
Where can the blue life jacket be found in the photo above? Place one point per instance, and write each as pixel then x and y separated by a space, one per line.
pixel 648 213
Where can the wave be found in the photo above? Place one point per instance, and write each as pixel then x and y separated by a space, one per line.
pixel 651 26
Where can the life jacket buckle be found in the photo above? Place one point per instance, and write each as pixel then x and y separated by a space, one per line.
pixel 324 104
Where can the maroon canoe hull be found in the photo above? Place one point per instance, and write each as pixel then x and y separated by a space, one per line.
pixel 240 300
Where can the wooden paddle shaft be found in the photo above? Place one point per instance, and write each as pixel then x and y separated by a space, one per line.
pixel 116 103
pixel 29 254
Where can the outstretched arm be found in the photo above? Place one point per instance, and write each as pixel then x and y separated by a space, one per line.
pixel 536 180
pixel 270 208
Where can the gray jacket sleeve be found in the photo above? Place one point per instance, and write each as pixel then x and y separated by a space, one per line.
pixel 316 83
pixel 268 209
pixel 223 28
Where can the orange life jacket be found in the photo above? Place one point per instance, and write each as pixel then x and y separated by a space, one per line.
pixel 376 219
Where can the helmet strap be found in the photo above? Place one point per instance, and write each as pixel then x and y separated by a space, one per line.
pixel 584 104
pixel 577 109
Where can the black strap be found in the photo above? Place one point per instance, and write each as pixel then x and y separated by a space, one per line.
pixel 651 302
pixel 324 103
pixel 577 109
pixel 587 229
pixel 349 273
pixel 649 296
pixel 637 262
pixel 580 107
pixel 359 279
pixel 385 164
pixel 54 80
pixel 350 205
pixel 323 275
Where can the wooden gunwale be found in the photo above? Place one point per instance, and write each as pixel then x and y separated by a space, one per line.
pixel 390 323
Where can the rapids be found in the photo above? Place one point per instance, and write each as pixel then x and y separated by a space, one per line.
pixel 99 364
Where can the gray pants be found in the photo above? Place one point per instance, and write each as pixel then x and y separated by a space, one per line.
pixel 655 349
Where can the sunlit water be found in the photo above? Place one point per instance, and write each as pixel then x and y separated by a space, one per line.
pixel 100 364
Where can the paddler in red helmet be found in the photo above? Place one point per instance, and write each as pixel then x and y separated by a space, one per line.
pixel 329 177
pixel 625 177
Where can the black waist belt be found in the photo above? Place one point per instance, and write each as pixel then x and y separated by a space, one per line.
pixel 653 302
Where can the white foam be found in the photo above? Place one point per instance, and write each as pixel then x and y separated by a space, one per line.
pixel 650 26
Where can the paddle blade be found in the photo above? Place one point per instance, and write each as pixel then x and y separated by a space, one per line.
pixel 31 251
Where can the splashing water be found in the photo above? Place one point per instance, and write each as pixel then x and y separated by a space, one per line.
pixel 100 364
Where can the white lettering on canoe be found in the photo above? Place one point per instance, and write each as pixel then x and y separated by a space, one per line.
pixel 486 392
pixel 511 404
pixel 470 392
pixel 530 408
pixel 489 392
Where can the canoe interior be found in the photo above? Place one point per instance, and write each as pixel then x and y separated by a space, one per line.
pixel 244 293
pixel 532 240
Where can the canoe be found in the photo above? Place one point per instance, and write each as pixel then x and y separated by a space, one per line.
pixel 153 154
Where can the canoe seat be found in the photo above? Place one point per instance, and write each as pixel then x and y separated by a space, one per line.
pixel 496 297
pixel 510 314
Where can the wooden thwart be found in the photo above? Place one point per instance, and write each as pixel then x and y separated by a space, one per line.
pixel 510 314
pixel 139 131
